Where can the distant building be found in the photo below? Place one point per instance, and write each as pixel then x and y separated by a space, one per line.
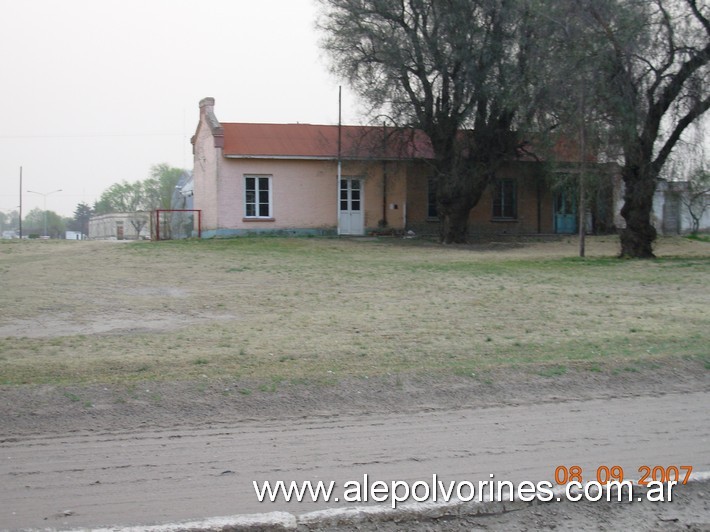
pixel 670 208
pixel 120 226
pixel 670 215
pixel 184 192
pixel 74 235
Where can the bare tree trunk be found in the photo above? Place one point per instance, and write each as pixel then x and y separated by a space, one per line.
pixel 457 195
pixel 639 234
pixel 454 223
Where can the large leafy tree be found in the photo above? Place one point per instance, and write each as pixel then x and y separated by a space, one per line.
pixel 155 192
pixel 656 74
pixel 160 186
pixel 122 197
pixel 80 221
pixel 443 67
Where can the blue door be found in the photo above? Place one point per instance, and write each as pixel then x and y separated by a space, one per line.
pixel 566 212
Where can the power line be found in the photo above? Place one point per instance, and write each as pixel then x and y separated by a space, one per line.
pixel 91 135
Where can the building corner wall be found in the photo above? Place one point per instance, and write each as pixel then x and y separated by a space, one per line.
pixel 207 142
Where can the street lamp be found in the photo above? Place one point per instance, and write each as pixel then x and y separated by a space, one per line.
pixel 44 195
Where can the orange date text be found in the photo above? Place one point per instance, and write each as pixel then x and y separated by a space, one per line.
pixel 605 474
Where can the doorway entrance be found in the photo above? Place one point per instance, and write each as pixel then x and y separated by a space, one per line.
pixel 566 212
pixel 351 220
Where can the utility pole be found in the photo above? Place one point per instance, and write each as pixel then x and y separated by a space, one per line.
pixel 340 148
pixel 582 170
pixel 20 203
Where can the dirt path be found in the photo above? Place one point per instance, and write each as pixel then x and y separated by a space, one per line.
pixel 92 478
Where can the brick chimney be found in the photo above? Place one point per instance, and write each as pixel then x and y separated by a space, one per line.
pixel 208 117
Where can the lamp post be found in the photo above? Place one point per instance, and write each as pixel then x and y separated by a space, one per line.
pixel 44 195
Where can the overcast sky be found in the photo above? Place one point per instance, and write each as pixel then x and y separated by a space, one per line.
pixel 97 91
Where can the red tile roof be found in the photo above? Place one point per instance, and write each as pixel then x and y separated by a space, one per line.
pixel 307 141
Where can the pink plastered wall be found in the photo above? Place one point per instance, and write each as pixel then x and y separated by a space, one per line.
pixel 206 164
pixel 303 193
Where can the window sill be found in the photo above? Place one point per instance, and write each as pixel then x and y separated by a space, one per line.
pixel 258 219
pixel 505 220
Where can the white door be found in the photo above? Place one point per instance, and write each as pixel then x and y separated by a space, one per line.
pixel 351 220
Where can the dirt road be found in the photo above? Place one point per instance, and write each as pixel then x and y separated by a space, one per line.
pixel 143 476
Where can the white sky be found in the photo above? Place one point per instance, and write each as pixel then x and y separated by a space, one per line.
pixel 97 91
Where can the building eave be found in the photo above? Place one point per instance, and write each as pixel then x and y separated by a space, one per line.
pixel 315 158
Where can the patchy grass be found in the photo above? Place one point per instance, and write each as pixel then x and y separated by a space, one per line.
pixel 699 237
pixel 317 310
pixel 555 370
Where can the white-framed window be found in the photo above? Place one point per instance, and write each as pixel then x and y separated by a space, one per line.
pixel 505 200
pixel 257 196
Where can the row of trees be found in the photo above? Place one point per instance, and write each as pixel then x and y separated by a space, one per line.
pixel 155 192
pixel 33 223
pixel 624 79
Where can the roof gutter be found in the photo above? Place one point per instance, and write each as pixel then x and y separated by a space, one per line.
pixel 315 158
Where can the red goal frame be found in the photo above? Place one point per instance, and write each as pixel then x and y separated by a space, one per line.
pixel 157 220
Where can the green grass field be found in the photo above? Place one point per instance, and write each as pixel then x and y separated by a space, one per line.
pixel 318 310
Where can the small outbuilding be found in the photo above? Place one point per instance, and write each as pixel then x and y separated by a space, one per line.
pixel 120 226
